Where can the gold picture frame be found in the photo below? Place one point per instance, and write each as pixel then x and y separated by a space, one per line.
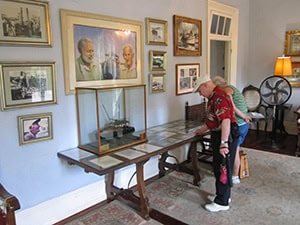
pixel 157 31
pixel 109 35
pixel 292 43
pixel 158 60
pixel 186 76
pixel 25 22
pixel 187 36
pixel 35 128
pixel 26 84
pixel 294 79
pixel 157 83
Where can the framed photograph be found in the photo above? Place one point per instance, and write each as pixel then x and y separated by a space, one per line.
pixel 158 60
pixel 186 76
pixel 187 36
pixel 25 84
pixel 25 22
pixel 294 79
pixel 292 43
pixel 157 31
pixel 157 83
pixel 101 50
pixel 35 128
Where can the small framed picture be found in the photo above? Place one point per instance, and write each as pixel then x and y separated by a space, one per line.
pixel 187 36
pixel 158 60
pixel 294 79
pixel 186 76
pixel 157 83
pixel 35 128
pixel 25 22
pixel 157 31
pixel 292 43
pixel 25 84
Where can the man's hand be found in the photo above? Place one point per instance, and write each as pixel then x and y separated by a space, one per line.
pixel 201 130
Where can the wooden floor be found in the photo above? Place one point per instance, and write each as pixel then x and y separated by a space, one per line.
pixel 281 143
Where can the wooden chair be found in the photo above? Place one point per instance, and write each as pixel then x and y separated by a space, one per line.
pixel 256 109
pixel 9 204
pixel 197 113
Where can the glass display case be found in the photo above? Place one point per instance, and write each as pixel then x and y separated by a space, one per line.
pixel 111 118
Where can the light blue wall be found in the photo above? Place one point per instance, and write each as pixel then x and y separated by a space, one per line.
pixel 33 172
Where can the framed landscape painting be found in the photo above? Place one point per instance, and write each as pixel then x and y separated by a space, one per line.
pixel 187 36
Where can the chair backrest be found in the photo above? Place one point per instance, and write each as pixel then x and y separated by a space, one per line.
pixel 9 204
pixel 195 112
pixel 252 97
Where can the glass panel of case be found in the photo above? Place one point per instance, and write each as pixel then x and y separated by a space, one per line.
pixel 110 118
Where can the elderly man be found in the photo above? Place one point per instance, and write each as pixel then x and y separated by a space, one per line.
pixel 86 67
pixel 224 136
pixel 128 68
pixel 34 129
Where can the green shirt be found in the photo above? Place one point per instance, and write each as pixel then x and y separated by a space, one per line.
pixel 240 103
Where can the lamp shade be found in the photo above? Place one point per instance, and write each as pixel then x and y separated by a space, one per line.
pixel 283 66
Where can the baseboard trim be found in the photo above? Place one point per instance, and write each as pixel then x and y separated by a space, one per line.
pixel 62 207
pixel 57 209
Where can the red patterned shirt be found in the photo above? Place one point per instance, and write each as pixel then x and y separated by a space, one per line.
pixel 219 107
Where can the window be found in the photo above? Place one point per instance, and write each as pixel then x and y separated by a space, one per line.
pixel 220 25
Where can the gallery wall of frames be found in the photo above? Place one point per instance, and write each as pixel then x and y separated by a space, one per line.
pixel 121 44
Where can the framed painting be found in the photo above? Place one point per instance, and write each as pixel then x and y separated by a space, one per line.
pixel 186 76
pixel 187 36
pixel 157 83
pixel 292 43
pixel 294 79
pixel 35 128
pixel 157 31
pixel 25 84
pixel 25 22
pixel 158 60
pixel 100 50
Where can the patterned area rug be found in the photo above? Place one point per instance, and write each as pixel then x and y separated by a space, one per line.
pixel 114 213
pixel 270 195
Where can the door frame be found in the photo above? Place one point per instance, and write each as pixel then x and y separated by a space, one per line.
pixel 231 41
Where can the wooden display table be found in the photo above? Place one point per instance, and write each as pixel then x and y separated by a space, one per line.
pixel 161 140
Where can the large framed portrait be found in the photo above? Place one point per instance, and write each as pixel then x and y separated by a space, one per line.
pixel 25 84
pixel 187 36
pixel 35 128
pixel 25 22
pixel 186 76
pixel 292 43
pixel 157 31
pixel 101 50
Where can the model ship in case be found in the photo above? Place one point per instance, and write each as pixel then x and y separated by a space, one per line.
pixel 111 118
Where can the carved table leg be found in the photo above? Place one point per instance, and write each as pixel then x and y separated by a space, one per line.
pixel 109 182
pixel 145 209
pixel 195 165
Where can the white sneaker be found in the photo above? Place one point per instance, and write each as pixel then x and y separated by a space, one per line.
pixel 236 180
pixel 214 207
pixel 212 198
